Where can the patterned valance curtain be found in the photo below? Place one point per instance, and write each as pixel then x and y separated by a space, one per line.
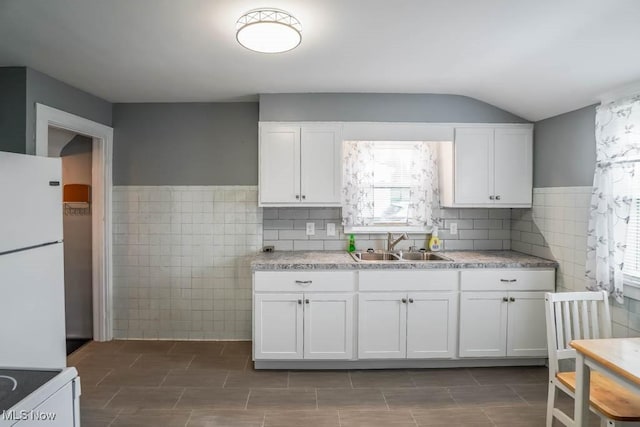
pixel 359 178
pixel 617 149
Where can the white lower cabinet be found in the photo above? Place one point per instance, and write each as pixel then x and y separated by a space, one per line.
pixel 419 314
pixel 278 326
pixel 502 313
pixel 415 325
pixel 328 326
pixel 303 326
pixel 483 324
pixel 382 326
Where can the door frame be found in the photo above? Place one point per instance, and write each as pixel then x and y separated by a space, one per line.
pixel 101 219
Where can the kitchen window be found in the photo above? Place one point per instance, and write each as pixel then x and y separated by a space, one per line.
pixel 389 186
pixel 632 251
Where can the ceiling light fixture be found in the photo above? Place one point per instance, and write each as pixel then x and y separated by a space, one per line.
pixel 268 31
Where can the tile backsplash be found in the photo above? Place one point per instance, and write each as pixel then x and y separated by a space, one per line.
pixel 181 261
pixel 479 229
pixel 556 228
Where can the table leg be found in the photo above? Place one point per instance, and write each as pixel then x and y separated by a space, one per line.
pixel 583 386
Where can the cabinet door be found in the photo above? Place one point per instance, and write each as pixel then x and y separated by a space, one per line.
pixel 513 166
pixel 483 324
pixel 473 166
pixel 432 325
pixel 382 326
pixel 328 326
pixel 279 164
pixel 278 326
pixel 526 327
pixel 321 164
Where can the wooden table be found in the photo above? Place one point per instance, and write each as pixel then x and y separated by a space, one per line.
pixel 618 358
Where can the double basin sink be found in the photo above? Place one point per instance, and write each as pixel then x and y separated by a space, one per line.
pixel 397 256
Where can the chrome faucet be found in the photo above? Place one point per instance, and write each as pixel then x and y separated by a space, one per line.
pixel 391 243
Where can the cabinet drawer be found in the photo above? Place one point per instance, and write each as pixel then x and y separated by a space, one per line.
pixel 507 280
pixel 413 280
pixel 304 281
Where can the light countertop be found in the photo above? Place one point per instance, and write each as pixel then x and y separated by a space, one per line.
pixel 341 260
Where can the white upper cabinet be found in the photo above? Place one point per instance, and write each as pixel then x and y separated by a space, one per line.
pixel 300 164
pixel 489 166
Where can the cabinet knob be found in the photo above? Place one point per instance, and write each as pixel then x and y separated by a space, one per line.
pixel 497 197
pixel 411 300
pixel 306 301
pixel 512 299
pixel 304 197
pixel 300 301
pixel 492 198
pixel 505 299
pixel 404 300
pixel 297 196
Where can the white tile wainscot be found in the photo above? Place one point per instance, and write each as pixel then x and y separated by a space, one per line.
pixel 181 261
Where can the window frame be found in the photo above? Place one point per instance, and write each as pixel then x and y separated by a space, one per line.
pixel 391 227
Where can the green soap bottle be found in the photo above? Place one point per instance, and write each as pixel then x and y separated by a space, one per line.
pixel 352 243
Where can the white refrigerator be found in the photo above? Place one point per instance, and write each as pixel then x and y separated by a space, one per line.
pixel 32 313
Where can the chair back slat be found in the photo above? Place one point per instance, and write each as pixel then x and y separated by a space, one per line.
pixel 586 323
pixel 558 322
pixel 595 320
pixel 576 320
pixel 568 336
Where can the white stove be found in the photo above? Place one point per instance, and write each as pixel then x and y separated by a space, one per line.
pixel 30 397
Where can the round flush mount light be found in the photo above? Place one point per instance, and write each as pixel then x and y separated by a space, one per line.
pixel 268 31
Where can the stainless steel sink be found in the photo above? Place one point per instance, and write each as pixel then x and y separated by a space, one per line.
pixel 374 256
pixel 397 256
pixel 423 256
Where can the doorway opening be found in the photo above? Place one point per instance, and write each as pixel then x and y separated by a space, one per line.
pixel 83 134
pixel 75 151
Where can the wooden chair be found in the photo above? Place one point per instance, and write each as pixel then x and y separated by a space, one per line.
pixel 584 315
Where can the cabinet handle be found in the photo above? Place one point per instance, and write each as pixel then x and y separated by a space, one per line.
pixel 508 280
pixel 497 197
pixel 303 282
pixel 300 301
pixel 411 300
pixel 304 197
pixel 512 299
pixel 404 300
pixel 306 301
pixel 492 198
pixel 297 196
pixel 505 299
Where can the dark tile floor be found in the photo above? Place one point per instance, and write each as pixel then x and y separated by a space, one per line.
pixel 189 384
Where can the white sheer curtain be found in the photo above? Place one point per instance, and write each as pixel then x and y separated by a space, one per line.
pixel 359 183
pixel 617 148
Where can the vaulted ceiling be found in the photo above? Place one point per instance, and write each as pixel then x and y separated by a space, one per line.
pixel 535 59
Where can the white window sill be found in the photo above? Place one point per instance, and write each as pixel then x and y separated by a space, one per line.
pixel 386 229
pixel 632 291
pixel 632 287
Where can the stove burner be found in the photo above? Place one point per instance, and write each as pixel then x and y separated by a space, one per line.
pixel 13 380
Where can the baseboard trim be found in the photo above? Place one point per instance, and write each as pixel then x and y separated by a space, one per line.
pixel 395 364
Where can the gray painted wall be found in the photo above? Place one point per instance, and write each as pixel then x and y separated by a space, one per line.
pixel 185 144
pixel 565 149
pixel 54 93
pixel 76 169
pixel 13 83
pixel 378 107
